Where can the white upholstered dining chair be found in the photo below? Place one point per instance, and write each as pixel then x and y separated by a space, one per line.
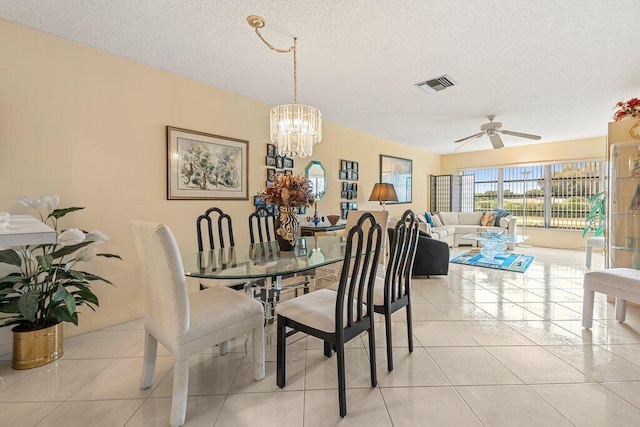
pixel 187 324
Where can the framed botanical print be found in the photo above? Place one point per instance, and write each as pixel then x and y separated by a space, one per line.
pixel 397 171
pixel 202 166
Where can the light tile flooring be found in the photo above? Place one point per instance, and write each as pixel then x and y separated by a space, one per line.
pixel 492 348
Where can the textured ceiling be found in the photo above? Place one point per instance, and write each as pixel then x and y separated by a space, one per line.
pixel 553 68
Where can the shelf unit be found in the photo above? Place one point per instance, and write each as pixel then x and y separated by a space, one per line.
pixel 623 217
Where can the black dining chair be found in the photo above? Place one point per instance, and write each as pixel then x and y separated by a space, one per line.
pixel 214 229
pixel 338 317
pixel 262 229
pixel 218 224
pixel 394 291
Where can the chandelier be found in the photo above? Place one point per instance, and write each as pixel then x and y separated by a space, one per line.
pixel 295 128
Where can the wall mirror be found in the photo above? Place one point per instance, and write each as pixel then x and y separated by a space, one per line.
pixel 317 177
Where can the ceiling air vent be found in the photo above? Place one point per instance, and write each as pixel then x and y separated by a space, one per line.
pixel 437 84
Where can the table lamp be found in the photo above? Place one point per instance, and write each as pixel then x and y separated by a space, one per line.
pixel 383 193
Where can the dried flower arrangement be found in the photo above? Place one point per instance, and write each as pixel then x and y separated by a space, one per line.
pixel 288 191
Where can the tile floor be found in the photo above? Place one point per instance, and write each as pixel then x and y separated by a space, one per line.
pixel 492 348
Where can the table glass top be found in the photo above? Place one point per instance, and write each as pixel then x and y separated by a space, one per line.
pixel 507 238
pixel 264 259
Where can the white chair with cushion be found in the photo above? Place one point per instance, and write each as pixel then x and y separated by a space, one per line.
pixel 187 324
pixel 621 283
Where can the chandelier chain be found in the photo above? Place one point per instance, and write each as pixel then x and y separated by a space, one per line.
pixel 295 61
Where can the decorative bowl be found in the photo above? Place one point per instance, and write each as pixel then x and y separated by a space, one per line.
pixel 494 233
pixel 333 219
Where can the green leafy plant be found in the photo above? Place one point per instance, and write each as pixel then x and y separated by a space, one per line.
pixel 46 285
pixel 596 219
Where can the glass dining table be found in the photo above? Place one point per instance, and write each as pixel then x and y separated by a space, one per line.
pixel 252 262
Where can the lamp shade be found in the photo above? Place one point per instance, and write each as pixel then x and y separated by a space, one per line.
pixel 383 192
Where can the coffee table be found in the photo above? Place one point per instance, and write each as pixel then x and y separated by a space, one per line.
pixel 494 244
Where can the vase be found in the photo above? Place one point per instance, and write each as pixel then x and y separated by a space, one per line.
pixel 287 228
pixel 33 348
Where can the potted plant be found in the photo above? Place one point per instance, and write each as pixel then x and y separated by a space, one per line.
pixel 288 192
pixel 596 219
pixel 47 285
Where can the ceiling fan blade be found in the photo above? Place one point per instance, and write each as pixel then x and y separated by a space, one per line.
pixel 470 140
pixel 477 135
pixel 519 134
pixel 496 141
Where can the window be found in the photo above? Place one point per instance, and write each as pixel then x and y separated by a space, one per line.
pixel 545 196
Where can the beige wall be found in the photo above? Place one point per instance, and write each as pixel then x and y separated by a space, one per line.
pixel 579 149
pixel 90 127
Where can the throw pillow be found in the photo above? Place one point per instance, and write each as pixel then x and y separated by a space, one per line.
pixel 429 219
pixel 437 222
pixel 487 218
pixel 504 221
pixel 500 213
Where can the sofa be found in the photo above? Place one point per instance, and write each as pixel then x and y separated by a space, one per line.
pixel 449 227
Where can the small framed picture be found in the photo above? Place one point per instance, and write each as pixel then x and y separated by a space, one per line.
pixel 343 165
pixel 355 186
pixel 279 162
pixel 288 172
pixel 258 201
pixel 270 161
pixel 268 183
pixel 343 194
pixel 349 174
pixel 345 213
pixel 349 195
pixel 354 175
pixel 349 165
pixel 345 186
pixel 354 206
pixel 355 194
pixel 344 205
pixel 355 166
pixel 271 150
pixel 343 174
pixel 271 174
pixel 288 162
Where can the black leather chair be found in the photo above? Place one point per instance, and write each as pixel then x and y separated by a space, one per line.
pixel 432 256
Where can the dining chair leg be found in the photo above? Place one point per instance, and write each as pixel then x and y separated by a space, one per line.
pixel 387 325
pixel 148 361
pixel 372 356
pixel 223 348
pixel 180 388
pixel 258 353
pixel 410 327
pixel 281 360
pixel 342 386
pixel 327 349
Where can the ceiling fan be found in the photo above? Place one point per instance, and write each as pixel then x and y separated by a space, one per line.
pixel 493 131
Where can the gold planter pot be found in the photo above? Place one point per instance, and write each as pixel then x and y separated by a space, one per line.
pixel 36 348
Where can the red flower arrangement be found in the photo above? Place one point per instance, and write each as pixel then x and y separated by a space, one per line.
pixel 288 191
pixel 631 108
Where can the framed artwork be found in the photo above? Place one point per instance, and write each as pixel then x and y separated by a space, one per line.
pixel 279 162
pixel 288 162
pixel 268 183
pixel 397 171
pixel 344 205
pixel 202 166
pixel 258 201
pixel 343 165
pixel 271 150
pixel 288 172
pixel 354 175
pixel 353 206
pixel 355 166
pixel 271 175
pixel 270 161
pixel 343 174
pixel 345 186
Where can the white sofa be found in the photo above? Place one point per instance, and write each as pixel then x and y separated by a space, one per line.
pixel 457 224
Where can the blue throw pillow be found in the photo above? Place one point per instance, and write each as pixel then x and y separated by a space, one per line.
pixel 427 216
pixel 500 213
